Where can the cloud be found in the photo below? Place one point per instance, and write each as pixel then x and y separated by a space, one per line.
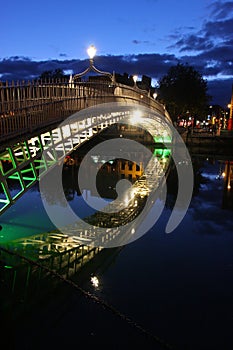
pixel 140 41
pixel 220 30
pixel 209 49
pixel 193 43
pixel 215 32
pixel 62 55
pixel 220 10
pixel 214 64
pixel 23 68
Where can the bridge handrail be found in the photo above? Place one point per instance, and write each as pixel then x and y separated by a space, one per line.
pixel 17 96
pixel 143 96
pixel 27 107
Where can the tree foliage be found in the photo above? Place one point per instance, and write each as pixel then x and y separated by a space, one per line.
pixel 50 74
pixel 184 92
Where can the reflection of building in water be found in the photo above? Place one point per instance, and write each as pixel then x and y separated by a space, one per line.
pixel 109 173
pixel 227 202
pixel 129 170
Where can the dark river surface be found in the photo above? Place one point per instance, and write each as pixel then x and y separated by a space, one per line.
pixel 163 290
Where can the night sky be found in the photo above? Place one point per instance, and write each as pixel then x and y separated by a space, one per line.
pixel 145 37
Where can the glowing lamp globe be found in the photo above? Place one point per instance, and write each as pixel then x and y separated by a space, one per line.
pixel 91 51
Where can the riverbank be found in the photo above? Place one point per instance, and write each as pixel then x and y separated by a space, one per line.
pixel 200 138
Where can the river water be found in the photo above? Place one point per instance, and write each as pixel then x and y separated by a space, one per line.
pixel 175 288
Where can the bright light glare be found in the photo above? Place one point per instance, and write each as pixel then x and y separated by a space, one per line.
pixel 135 78
pixel 91 51
pixel 95 281
pixel 136 117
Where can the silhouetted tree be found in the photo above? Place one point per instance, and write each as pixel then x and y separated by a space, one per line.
pixel 184 91
pixel 50 74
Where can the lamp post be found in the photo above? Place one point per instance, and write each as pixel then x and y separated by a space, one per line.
pixel 91 51
pixel 135 78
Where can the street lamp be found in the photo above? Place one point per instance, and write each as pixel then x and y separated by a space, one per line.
pixel 155 95
pixel 135 78
pixel 91 51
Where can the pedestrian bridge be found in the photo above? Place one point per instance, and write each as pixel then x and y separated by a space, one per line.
pixel 26 108
pixel 41 123
pixel 36 115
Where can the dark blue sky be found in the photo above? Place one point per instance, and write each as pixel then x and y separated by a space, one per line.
pixel 145 37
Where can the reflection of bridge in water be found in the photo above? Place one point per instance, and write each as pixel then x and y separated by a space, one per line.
pixel 126 207
pixel 68 253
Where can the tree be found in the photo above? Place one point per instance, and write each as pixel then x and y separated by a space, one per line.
pixel 56 74
pixel 184 92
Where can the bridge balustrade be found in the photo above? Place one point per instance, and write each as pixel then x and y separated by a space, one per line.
pixel 25 107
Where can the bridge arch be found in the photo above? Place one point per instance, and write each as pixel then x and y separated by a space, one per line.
pixel 83 123
pixel 27 155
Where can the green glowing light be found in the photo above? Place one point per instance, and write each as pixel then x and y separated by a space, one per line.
pixel 162 139
pixel 162 152
pixel 158 139
pixel 158 152
pixel 166 152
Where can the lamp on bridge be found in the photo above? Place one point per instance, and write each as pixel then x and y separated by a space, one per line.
pixel 91 51
pixel 135 78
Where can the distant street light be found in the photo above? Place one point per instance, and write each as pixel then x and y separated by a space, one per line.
pixel 135 78
pixel 155 95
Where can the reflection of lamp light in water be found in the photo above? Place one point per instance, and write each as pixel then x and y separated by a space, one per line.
pixel 95 281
